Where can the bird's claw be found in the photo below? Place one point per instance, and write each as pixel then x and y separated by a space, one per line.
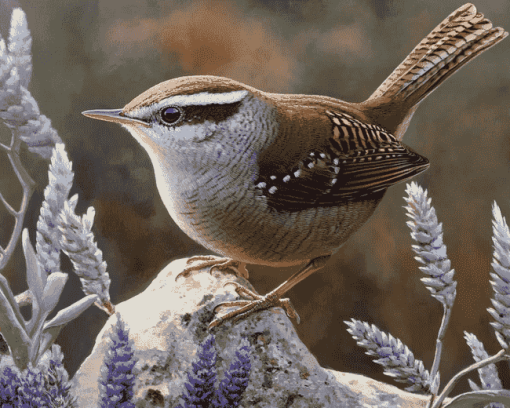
pixel 243 291
pixel 214 262
pixel 290 311
pixel 255 304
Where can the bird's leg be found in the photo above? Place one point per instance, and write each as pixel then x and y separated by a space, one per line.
pixel 272 299
pixel 214 262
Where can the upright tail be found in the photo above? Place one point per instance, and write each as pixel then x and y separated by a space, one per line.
pixel 459 38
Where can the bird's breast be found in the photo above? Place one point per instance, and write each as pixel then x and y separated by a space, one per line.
pixel 226 214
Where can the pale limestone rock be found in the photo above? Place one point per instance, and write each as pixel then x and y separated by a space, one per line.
pixel 169 320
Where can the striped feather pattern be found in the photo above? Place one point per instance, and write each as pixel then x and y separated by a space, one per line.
pixel 375 158
pixel 361 160
pixel 459 38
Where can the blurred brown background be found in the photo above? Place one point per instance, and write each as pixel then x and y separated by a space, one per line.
pixel 101 53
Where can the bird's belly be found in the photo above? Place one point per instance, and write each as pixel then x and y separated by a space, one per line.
pixel 241 226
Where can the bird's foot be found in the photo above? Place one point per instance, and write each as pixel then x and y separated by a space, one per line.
pixel 214 262
pixel 256 303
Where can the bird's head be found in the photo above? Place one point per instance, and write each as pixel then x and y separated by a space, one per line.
pixel 197 121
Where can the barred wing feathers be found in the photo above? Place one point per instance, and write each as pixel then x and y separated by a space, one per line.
pixel 361 160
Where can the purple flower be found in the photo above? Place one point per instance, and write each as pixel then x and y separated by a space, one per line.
pixel 201 392
pixel 57 380
pixel 201 379
pixel 117 380
pixel 33 391
pixel 9 383
pixel 234 384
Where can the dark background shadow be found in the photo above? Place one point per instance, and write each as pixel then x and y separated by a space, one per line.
pixel 101 54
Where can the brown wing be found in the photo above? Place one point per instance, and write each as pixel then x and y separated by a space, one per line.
pixel 360 160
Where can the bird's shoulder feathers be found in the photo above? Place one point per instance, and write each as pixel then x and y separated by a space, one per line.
pixel 328 156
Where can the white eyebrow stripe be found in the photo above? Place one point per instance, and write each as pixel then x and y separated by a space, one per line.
pixel 205 98
pixel 199 99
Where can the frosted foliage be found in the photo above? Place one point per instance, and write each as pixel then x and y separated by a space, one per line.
pixel 48 236
pixel 428 233
pixel 396 358
pixel 78 244
pixel 500 278
pixel 20 44
pixel 18 109
pixel 489 374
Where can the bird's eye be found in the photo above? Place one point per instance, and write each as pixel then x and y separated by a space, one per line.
pixel 171 116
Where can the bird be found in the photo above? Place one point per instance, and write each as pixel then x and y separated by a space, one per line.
pixel 285 179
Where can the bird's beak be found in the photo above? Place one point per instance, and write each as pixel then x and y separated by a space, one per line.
pixel 114 115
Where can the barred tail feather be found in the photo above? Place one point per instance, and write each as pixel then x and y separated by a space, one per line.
pixel 459 38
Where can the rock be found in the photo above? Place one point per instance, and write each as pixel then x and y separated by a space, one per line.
pixel 169 320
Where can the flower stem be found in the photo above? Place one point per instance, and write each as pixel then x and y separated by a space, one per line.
pixel 453 382
pixel 27 185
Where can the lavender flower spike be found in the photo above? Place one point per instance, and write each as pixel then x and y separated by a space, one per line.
pixel 57 378
pixel 18 109
pixel 117 379
pixel 232 387
pixel 431 251
pixel 396 358
pixel 78 244
pixel 201 378
pixel 501 278
pixel 56 193
pixel 20 43
pixel 9 384
pixel 488 374
pixel 32 391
